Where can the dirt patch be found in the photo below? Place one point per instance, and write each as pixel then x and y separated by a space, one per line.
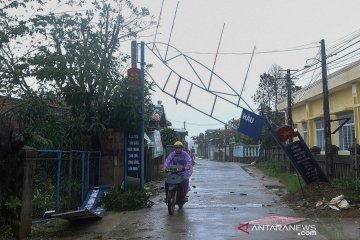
pixel 304 201
pixel 333 224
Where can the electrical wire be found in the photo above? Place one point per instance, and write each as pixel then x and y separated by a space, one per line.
pixel 195 124
pixel 349 59
pixel 343 56
pixel 341 45
pixel 333 54
pixel 250 53
pixel 348 38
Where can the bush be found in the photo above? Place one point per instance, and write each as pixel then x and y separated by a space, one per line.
pixel 9 217
pixel 315 150
pixel 129 200
pixel 335 149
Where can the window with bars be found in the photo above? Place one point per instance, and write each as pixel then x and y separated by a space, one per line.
pixel 347 133
pixel 320 136
pixel 305 133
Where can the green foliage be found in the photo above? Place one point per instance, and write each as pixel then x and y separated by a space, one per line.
pixel 78 61
pixel 168 136
pixel 351 184
pixel 272 88
pixel 132 199
pixel 9 216
pixel 44 196
pixel 46 126
pixel 280 170
pixel 233 125
pixel 272 168
pixel 353 187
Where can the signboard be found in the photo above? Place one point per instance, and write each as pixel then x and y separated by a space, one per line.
pixel 133 153
pixel 157 144
pixel 134 76
pixel 251 124
pixel 304 162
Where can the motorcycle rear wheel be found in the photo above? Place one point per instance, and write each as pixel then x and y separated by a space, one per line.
pixel 171 202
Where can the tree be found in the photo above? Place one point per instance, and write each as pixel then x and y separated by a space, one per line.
pixel 233 125
pixel 17 44
pixel 202 143
pixel 168 136
pixel 271 88
pixel 76 59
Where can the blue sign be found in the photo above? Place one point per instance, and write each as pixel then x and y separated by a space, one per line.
pixel 251 124
pixel 133 152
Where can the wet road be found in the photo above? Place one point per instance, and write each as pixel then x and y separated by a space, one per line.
pixel 223 197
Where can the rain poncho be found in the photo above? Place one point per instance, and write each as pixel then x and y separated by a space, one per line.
pixel 182 159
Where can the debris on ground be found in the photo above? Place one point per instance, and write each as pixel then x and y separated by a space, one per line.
pixel 337 203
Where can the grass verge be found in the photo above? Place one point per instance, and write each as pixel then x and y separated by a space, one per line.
pixel 279 170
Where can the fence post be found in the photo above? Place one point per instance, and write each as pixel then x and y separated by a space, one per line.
pixel 58 181
pixel 29 159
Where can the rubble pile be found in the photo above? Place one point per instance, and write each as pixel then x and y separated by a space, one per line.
pixel 337 203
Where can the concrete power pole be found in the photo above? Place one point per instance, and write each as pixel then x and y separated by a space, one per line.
pixel 289 102
pixel 329 162
pixel 289 110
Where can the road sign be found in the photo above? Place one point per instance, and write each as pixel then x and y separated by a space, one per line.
pixel 251 124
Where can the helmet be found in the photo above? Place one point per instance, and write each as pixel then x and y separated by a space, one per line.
pixel 178 144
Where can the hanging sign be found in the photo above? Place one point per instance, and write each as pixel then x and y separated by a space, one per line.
pixel 251 124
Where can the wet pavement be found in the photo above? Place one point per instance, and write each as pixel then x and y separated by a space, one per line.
pixel 223 197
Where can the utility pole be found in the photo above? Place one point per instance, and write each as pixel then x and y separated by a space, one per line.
pixel 289 98
pixel 226 136
pixel 327 127
pixel 289 109
pixel 142 85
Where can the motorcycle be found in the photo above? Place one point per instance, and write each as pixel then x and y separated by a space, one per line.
pixel 175 192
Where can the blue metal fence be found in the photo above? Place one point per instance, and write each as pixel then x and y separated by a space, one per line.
pixel 63 178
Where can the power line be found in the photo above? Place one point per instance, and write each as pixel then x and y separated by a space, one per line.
pixel 246 53
pixel 249 53
pixel 348 38
pixel 196 124
pixel 333 54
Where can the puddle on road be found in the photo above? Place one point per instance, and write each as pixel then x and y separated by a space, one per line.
pixel 254 205
pixel 248 205
pixel 274 186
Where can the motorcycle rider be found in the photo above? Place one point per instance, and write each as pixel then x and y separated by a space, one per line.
pixel 182 158
pixel 192 154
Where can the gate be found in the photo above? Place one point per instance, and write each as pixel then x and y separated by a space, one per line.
pixel 63 178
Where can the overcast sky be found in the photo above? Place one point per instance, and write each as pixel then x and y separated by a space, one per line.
pixel 271 25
